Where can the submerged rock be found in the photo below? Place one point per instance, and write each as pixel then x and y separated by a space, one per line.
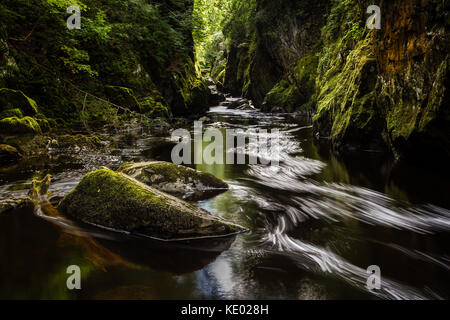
pixel 180 181
pixel 117 201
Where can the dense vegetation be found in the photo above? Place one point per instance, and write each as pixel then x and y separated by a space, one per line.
pixel 128 57
pixel 379 90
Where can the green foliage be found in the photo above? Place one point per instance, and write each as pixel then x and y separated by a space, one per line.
pixel 77 61
pixel 14 125
pixel 138 44
pixel 209 17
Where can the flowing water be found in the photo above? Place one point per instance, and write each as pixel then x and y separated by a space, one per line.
pixel 317 223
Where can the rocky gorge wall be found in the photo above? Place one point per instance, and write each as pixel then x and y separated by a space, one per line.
pixel 379 90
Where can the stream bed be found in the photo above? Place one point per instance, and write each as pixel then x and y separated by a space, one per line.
pixel 317 223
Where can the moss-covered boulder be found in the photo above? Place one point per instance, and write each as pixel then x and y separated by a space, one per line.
pixel 117 201
pixel 8 153
pixel 11 113
pixel 14 126
pixel 123 97
pixel 180 181
pixel 16 99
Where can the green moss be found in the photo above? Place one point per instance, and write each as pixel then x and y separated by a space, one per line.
pixel 347 111
pixel 114 200
pixel 123 97
pixel 297 91
pixel 14 125
pixel 154 108
pixel 165 172
pixel 44 125
pixel 16 99
pixel 11 113
pixel 193 89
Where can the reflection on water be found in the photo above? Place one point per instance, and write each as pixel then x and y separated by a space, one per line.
pixel 317 223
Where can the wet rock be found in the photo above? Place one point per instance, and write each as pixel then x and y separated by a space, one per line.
pixel 216 98
pixel 117 201
pixel 205 119
pixel 77 142
pixel 8 154
pixel 246 106
pixel 160 127
pixel 182 182
pixel 11 204
pixel 6 205
pixel 237 103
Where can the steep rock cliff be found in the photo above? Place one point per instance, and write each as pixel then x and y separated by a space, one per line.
pixel 279 34
pixel 386 89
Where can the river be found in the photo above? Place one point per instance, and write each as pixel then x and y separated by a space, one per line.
pixel 316 222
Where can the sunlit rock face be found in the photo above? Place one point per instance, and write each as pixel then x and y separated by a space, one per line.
pixel 412 55
pixel 387 89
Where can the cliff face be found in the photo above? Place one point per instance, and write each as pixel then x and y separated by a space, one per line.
pixel 381 89
pixel 135 54
pixel 412 53
pixel 387 89
pixel 280 34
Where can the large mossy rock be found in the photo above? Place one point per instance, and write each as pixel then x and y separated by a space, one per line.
pixel 16 99
pixel 180 181
pixel 14 126
pixel 117 201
